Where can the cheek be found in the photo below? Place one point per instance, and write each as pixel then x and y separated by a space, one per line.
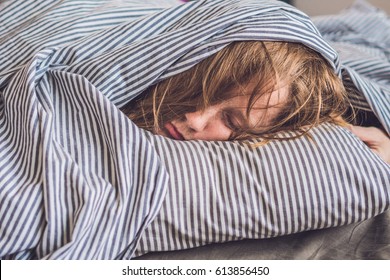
pixel 217 132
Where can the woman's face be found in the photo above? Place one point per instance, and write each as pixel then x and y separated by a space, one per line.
pixel 218 122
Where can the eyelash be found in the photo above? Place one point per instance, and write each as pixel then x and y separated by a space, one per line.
pixel 229 121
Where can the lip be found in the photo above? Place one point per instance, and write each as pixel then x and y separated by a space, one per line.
pixel 173 132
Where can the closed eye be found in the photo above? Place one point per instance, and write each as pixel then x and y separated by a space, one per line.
pixel 232 120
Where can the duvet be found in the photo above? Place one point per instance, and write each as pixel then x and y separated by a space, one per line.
pixel 78 180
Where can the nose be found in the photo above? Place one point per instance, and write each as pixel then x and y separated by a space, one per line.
pixel 198 121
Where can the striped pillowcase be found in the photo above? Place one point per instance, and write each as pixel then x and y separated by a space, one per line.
pixel 220 192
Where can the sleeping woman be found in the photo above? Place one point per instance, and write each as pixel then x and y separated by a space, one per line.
pixel 251 89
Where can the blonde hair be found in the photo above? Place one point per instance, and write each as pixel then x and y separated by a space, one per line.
pixel 316 93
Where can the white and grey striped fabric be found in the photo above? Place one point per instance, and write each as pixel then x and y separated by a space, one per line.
pixel 361 37
pixel 78 180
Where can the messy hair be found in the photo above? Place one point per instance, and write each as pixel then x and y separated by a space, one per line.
pixel 315 93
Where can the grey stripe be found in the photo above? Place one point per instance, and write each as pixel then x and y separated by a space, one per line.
pixel 78 180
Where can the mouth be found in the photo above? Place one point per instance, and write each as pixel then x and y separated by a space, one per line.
pixel 173 132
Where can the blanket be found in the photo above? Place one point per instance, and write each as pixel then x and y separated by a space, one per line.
pixel 78 180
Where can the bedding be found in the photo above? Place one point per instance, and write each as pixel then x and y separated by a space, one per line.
pixel 366 240
pixel 78 180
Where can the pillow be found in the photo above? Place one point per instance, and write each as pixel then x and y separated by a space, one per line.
pixel 222 191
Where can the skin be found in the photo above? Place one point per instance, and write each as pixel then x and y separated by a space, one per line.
pixel 375 139
pixel 218 122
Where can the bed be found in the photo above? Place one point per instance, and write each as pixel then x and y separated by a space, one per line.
pixel 78 180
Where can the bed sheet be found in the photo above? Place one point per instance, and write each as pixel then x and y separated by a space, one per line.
pixel 78 180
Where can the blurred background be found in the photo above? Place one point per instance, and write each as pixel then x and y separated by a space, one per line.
pixel 321 7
